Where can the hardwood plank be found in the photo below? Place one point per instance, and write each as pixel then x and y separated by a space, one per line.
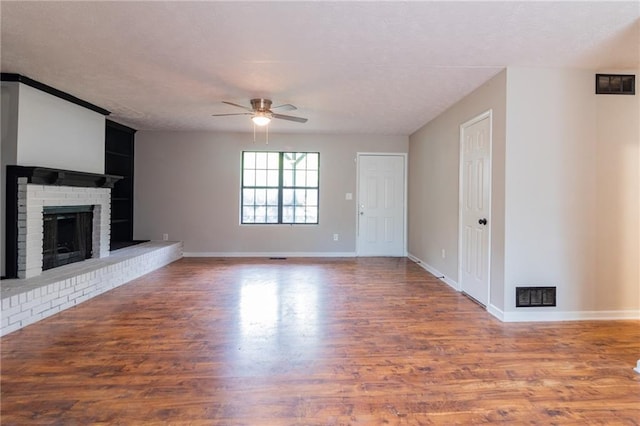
pixel 313 342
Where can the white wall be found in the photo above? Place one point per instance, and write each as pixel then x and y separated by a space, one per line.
pixel 58 134
pixel 571 194
pixel 187 185
pixel 434 157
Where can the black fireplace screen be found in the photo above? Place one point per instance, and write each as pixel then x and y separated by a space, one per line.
pixel 67 235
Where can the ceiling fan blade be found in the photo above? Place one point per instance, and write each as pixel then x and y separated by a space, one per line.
pixel 237 105
pixel 237 113
pixel 290 118
pixel 285 107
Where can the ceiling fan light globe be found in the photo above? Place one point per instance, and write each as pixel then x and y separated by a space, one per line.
pixel 260 120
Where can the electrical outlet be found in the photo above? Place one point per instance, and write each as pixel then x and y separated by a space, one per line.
pixel 336 237
pixel 165 237
pixel 444 254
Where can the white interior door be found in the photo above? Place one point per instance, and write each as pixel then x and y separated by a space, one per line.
pixel 381 205
pixel 475 202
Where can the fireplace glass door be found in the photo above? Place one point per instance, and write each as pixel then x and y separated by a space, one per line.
pixel 67 236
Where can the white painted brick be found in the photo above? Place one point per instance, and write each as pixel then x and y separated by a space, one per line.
pixel 34 187
pixel 52 311
pixel 27 306
pixel 67 291
pixel 82 298
pixel 6 313
pixel 41 308
pixel 59 301
pixel 74 296
pixel 34 203
pixel 14 301
pixel 18 317
pixel 81 286
pixel 11 328
pixel 6 303
pixel 33 318
pixel 67 305
pixel 47 297
pixel 37 238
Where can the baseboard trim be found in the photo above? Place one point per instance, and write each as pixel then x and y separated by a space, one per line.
pixel 433 271
pixel 265 254
pixel 496 312
pixel 547 316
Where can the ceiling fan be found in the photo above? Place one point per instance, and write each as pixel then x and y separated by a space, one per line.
pixel 262 112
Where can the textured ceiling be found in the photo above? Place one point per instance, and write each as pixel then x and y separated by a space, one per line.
pixel 350 67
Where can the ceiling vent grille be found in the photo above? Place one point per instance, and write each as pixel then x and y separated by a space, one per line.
pixel 615 84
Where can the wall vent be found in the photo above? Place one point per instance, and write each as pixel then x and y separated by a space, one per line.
pixel 615 84
pixel 535 296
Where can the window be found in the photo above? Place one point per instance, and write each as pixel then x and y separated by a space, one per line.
pixel 280 187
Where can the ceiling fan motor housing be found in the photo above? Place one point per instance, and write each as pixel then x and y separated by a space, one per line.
pixel 262 105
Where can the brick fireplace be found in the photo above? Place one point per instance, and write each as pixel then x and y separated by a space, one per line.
pixel 30 190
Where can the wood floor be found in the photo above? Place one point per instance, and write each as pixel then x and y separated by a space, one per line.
pixel 311 342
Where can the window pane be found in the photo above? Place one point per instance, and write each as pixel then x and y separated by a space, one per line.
pixel 301 196
pixel 249 160
pixel 312 215
pixel 261 178
pixel 272 178
pixel 300 215
pixel 261 197
pixel 287 214
pixel 272 214
pixel 261 160
pixel 312 197
pixel 274 161
pixel 249 178
pixel 287 178
pixel 312 161
pixel 287 197
pixel 312 178
pixel 261 214
pixel 248 197
pixel 248 214
pixel 272 197
pixel 289 160
pixel 301 178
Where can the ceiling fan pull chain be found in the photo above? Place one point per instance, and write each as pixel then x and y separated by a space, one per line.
pixel 267 132
pixel 254 132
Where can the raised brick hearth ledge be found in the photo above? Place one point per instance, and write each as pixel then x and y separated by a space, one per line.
pixel 25 301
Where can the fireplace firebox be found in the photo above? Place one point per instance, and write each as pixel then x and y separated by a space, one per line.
pixel 67 235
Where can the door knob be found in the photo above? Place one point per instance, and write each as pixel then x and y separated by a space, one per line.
pixel 482 221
